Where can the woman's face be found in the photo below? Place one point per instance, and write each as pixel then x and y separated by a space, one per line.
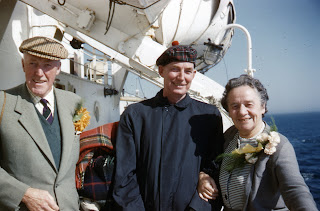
pixel 246 111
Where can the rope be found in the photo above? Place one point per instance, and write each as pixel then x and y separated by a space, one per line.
pixel 112 6
pixel 131 5
pixel 64 1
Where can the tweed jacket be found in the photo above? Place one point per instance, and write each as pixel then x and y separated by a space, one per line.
pixel 25 156
pixel 275 182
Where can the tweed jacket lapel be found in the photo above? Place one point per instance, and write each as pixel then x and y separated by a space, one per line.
pixel 255 175
pixel 257 170
pixel 30 121
pixel 67 130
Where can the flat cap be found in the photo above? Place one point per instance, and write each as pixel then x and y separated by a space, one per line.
pixel 44 47
pixel 178 53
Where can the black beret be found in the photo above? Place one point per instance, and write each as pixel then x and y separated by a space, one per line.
pixel 178 53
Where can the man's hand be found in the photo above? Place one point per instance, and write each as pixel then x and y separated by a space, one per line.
pixel 39 200
pixel 207 188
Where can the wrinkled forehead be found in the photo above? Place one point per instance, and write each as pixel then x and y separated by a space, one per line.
pixel 29 57
pixel 243 93
pixel 187 65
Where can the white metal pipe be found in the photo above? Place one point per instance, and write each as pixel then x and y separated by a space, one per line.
pixel 249 44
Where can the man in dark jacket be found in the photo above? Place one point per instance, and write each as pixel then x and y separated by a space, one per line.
pixel 164 142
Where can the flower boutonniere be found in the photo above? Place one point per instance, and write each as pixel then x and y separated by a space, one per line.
pixel 249 154
pixel 81 118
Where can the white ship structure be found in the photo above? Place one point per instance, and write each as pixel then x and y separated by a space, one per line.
pixel 107 39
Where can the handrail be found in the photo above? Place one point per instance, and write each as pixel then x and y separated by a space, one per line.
pixel 249 71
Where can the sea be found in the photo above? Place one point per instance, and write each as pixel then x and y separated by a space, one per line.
pixel 303 131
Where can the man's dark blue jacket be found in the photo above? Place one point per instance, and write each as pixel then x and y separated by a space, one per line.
pixel 160 150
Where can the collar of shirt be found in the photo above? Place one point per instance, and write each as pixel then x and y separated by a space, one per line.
pixel 36 101
pixel 163 101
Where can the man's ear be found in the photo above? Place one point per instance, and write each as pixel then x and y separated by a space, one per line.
pixel 160 70
pixel 194 73
pixel 22 62
pixel 59 69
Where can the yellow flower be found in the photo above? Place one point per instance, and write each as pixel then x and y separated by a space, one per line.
pixel 249 154
pixel 248 149
pixel 81 119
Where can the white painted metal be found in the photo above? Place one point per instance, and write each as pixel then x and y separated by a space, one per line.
pixel 11 70
pixel 249 70
pixel 26 22
pixel 187 21
pixel 102 109
pixel 132 43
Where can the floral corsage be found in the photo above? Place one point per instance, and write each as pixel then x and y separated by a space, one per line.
pixel 81 119
pixel 249 154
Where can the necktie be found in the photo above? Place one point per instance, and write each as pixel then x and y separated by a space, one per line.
pixel 47 111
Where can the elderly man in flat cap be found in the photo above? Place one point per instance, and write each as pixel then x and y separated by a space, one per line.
pixel 163 143
pixel 38 149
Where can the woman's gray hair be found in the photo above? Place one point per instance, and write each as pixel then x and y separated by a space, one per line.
pixel 245 80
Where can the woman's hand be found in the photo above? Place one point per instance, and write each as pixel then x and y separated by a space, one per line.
pixel 207 187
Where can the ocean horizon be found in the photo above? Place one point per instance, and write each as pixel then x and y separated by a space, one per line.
pixel 303 131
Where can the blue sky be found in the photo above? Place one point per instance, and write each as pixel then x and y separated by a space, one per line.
pixel 285 52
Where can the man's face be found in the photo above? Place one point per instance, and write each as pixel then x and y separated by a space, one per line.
pixel 177 78
pixel 40 73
